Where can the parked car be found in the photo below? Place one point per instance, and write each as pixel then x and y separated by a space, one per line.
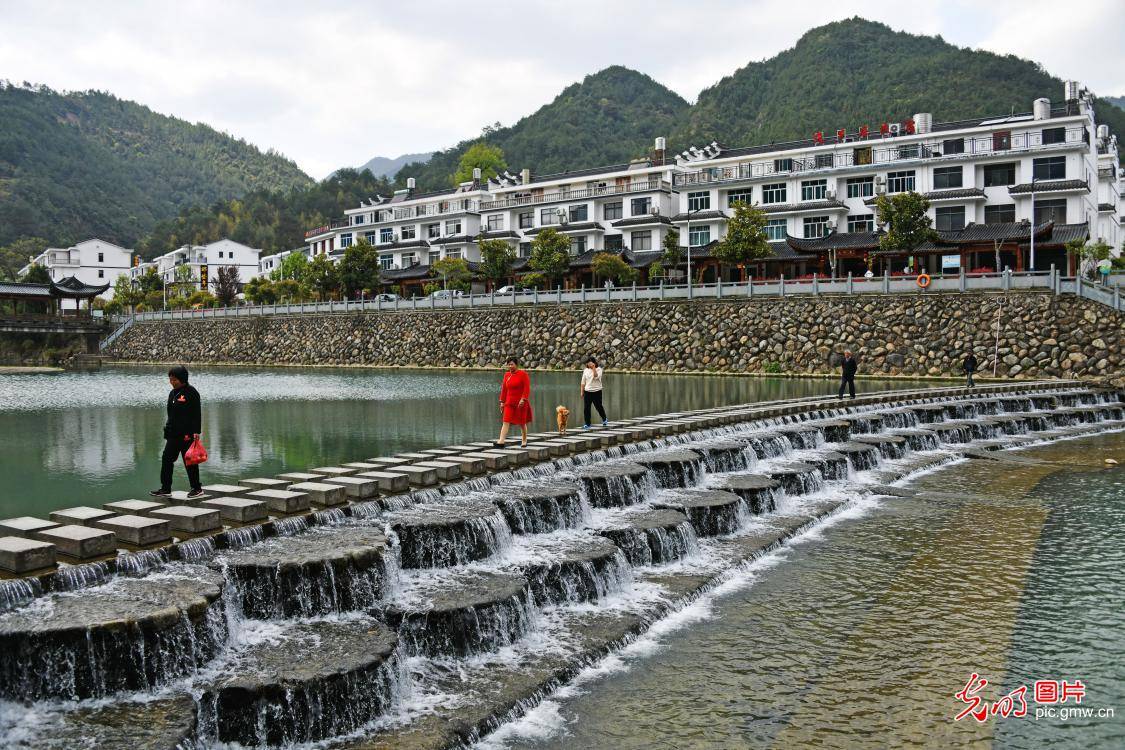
pixel 386 297
pixel 447 293
pixel 512 290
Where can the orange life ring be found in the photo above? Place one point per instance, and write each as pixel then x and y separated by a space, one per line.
pixel 923 280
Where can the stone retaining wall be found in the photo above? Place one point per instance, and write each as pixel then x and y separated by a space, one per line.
pixel 1041 336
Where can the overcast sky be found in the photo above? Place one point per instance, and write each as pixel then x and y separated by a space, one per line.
pixel 333 83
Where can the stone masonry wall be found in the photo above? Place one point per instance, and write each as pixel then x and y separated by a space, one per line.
pixel 911 334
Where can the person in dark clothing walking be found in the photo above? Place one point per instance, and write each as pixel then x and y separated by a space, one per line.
pixel 848 370
pixel 970 366
pixel 183 426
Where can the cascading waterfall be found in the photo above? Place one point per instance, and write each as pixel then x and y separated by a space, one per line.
pixel 18 592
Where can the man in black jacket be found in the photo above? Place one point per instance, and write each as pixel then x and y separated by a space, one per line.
pixel 183 426
pixel 847 374
pixel 970 367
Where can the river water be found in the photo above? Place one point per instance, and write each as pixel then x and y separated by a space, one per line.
pixel 71 439
pixel 860 634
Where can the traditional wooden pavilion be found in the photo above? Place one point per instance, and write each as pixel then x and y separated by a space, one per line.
pixel 41 300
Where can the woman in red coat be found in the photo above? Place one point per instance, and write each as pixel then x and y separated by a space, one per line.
pixel 515 402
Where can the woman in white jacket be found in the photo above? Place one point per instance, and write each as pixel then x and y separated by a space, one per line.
pixel 592 392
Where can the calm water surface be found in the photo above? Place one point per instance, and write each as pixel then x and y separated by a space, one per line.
pixel 859 635
pixel 89 438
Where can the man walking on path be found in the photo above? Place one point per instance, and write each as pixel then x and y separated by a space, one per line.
pixel 183 426
pixel 970 367
pixel 515 402
pixel 847 374
pixel 591 389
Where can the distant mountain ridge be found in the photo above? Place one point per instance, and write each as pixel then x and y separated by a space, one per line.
pixel 381 166
pixel 1117 101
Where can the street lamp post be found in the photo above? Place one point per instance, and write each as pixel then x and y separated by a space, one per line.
pixel 1032 252
pixel 689 215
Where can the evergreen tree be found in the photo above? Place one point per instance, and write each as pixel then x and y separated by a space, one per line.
pixel 906 222
pixel 453 272
pixel 359 269
pixel 613 267
pixel 496 260
pixel 490 160
pixel 745 240
pixel 550 255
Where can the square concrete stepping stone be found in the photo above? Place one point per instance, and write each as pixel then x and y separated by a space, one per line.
pixel 389 481
pixel 301 476
pixel 322 493
pixel 80 542
pixel 282 501
pixel 263 483
pixel 420 476
pixel 444 469
pixel 357 487
pixel 193 520
pixel 19 555
pixel 225 490
pixel 465 448
pixel 25 526
pixel 516 456
pixel 537 452
pixel 137 530
pixel 82 515
pixel 363 465
pixel 440 452
pixel 468 465
pixel 556 447
pixel 492 461
pixel 134 507
pixel 414 457
pixel 335 471
pixel 388 461
pixel 238 509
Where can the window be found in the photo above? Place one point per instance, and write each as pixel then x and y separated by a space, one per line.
pixel 1050 210
pixel 699 201
pixel 774 193
pixel 776 229
pixel 408 260
pixel 999 174
pixel 641 241
pixel 220 255
pixel 783 165
pixel 740 196
pixel 408 232
pixel 1002 140
pixel 822 161
pixel 495 222
pixel 358 219
pixel 1049 168
pixel 861 223
pixel 433 231
pixel 101 273
pixel 908 152
pixel 814 190
pixel 815 226
pixel 452 228
pixel 580 212
pixel 1054 135
pixel 640 206
pixel 454 253
pixel 433 257
pixel 101 256
pixel 577 245
pixel 525 249
pixel 386 261
pixel 1002 214
pixel 953 146
pixel 615 242
pixel 548 216
pixel 611 211
pixel 947 177
pixel 861 156
pixel 370 238
pixel 861 187
pixel 900 182
pixel 699 236
pixel 345 240
pixel 386 234
pixel 527 219
pixel 949 218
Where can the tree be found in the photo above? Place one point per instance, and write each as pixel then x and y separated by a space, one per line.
pixel 182 280
pixel 260 291
pixel 1089 254
pixel 673 252
pixel 226 285
pixel 36 274
pixel 490 159
pixel 150 281
pixel 288 290
pixel 322 277
pixel 359 269
pixel 745 240
pixel 496 260
pixel 454 273
pixel 293 266
pixel 612 266
pixel 126 294
pixel 906 222
pixel 16 255
pixel 550 255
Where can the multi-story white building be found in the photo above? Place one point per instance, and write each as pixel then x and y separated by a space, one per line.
pixel 214 256
pixel 93 262
pixel 982 178
pixel 267 264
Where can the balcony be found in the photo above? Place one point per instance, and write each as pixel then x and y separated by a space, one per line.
pixel 575 195
pixel 869 154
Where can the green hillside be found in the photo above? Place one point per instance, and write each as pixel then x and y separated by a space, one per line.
pixel 80 165
pixel 607 118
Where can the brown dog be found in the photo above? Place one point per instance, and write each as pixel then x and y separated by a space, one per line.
pixel 562 415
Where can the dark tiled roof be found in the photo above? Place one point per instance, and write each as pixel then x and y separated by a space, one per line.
pixel 643 259
pixel 699 216
pixel 578 173
pixel 782 252
pixel 942 195
pixel 641 221
pixel 459 239
pixel 69 287
pixel 835 241
pixel 506 234
pixel 585 226
pixel 1016 231
pixel 1106 207
pixel 16 289
pixel 1060 235
pixel 1048 186
pixel 419 271
pixel 403 245
pixel 824 205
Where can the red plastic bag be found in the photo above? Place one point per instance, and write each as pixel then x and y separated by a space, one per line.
pixel 196 453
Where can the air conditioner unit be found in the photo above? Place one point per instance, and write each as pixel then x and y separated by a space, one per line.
pixel 894 128
pixel 830 194
pixel 655 210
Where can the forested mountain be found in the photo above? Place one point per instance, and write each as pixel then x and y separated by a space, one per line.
pixel 848 73
pixel 607 118
pixel 381 166
pixel 1117 101
pixel 81 165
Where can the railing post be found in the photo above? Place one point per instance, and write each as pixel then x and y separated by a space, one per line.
pixel 815 286
pixel 583 292
pixel 750 287
pixel 719 287
pixel 634 291
pixel 661 290
pixel 781 285
pixel 608 294
pixel 535 296
pixel 1007 280
pixel 849 287
pixel 886 281
pixel 492 297
pixel 558 295
pixel 1054 285
pixel 1116 296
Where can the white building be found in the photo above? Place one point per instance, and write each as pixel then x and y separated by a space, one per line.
pixel 267 264
pixel 194 257
pixel 94 262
